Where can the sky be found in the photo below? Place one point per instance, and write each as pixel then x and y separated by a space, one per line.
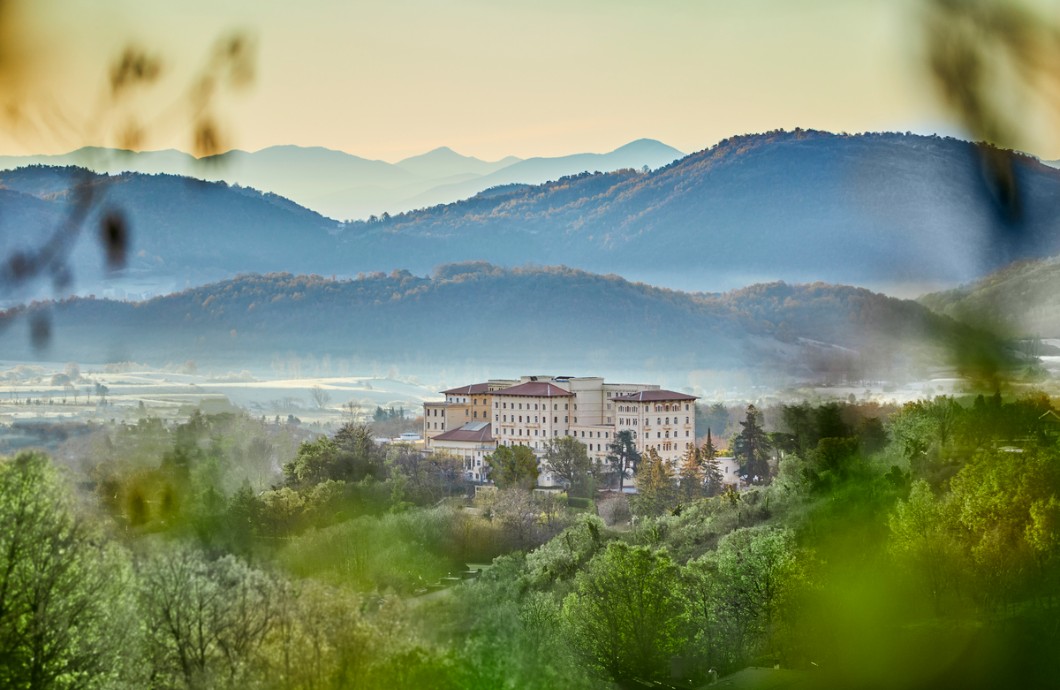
pixel 387 79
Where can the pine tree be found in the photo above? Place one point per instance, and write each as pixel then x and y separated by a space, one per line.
pixel 655 484
pixel 690 474
pixel 752 447
pixel 623 456
pixel 712 477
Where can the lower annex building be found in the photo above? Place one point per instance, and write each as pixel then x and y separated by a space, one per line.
pixel 475 419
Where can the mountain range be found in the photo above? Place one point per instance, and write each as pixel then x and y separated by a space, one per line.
pixel 341 185
pixel 893 212
pixel 477 316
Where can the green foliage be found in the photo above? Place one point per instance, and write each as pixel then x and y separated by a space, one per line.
pixel 206 620
pixel 511 637
pixel 63 606
pixel 691 475
pixel 568 459
pixel 944 574
pixel 1005 507
pixel 655 485
pixel 751 447
pixel 400 552
pixel 350 456
pixel 513 467
pixel 626 613
pixel 923 540
pixel 623 457
pixel 565 554
pixel 317 461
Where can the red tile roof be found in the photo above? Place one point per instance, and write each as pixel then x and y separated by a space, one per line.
pixel 473 389
pixel 536 389
pixel 477 433
pixel 653 396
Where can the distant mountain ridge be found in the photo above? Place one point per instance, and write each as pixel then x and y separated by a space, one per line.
pixel 342 186
pixel 873 209
pixel 526 319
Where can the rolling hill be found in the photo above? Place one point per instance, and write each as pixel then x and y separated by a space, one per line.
pixel 479 315
pixel 1022 300
pixel 889 211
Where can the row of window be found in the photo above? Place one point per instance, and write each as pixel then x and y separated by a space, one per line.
pixel 666 434
pixel 667 446
pixel 599 434
pixel 544 406
pixel 537 420
pixel 658 408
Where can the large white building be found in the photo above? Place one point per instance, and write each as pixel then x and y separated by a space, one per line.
pixel 535 409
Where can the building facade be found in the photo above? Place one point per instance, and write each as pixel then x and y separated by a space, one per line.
pixel 535 409
pixel 462 405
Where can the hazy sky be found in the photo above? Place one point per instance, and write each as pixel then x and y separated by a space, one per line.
pixel 388 79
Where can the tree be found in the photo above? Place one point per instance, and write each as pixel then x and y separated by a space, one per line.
pixel 206 620
pixel 739 591
pixel 626 614
pixel 63 614
pixel 566 457
pixel 923 542
pixel 655 484
pixel 690 474
pixel 752 446
pixel 320 396
pixel 623 456
pixel 712 476
pixel 359 455
pixel 513 467
pixel 316 461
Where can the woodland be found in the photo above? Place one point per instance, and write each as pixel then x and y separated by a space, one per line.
pixel 873 546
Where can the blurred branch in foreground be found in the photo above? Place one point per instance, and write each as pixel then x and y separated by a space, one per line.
pixel 991 61
pixel 42 254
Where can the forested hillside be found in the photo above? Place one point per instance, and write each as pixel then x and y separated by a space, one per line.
pixel 841 208
pixel 522 319
pixel 905 548
pixel 1022 299
pixel 886 210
